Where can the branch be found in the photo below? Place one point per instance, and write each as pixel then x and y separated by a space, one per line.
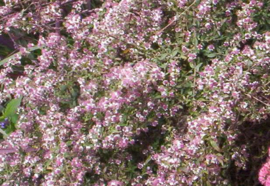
pixel 2 62
pixel 175 18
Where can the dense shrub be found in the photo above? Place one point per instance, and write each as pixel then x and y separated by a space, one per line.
pixel 131 92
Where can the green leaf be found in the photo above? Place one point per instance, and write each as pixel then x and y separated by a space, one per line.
pixel 2 118
pixel 211 55
pixel 208 183
pixel 164 65
pixel 1 108
pixel 195 40
pixel 10 128
pixel 163 56
pixel 12 107
pixel 191 65
pixel 215 146
pixel 4 133
pixel 63 87
pixel 183 57
pixel 175 52
pixel 14 118
pixel 198 67
pixel 147 160
pixel 68 143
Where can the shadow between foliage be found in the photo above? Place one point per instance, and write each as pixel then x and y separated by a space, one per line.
pixel 256 135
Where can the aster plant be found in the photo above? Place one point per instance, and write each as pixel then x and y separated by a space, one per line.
pixel 132 92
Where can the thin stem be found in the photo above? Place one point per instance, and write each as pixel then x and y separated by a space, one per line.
pixel 175 18
pixel 258 100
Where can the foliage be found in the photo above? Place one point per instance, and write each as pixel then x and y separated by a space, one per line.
pixel 132 92
pixel 10 117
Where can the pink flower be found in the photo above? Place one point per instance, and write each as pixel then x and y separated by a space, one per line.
pixel 264 174
pixel 211 47
pixel 192 56
pixel 115 183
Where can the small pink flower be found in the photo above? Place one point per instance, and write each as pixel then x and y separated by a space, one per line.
pixel 211 47
pixel 192 56
pixel 200 47
pixel 208 26
pixel 140 166
pixel 115 183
